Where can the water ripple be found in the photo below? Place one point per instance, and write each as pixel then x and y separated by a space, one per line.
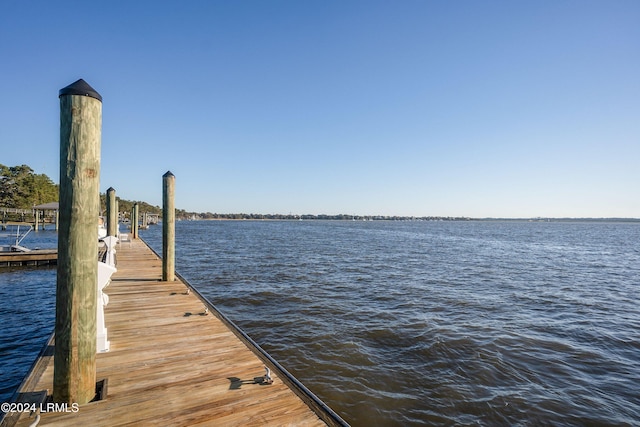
pixel 400 323
pixel 490 323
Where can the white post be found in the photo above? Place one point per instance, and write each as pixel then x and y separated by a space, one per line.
pixel 104 278
pixel 110 243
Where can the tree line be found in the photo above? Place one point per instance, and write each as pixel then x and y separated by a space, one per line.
pixel 22 188
pixel 126 205
pixel 181 214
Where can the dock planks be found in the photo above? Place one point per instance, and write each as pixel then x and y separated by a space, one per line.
pixel 35 257
pixel 172 364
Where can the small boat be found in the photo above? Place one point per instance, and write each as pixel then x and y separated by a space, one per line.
pixel 15 238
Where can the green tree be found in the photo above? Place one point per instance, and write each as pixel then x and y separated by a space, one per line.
pixel 21 188
pixel 125 206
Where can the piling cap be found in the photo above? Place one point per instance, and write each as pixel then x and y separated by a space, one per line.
pixel 82 88
pixel 168 174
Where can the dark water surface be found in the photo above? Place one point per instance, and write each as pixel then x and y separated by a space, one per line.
pixel 27 314
pixel 444 323
pixel 414 323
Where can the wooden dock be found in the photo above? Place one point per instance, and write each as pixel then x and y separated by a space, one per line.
pixel 174 360
pixel 35 257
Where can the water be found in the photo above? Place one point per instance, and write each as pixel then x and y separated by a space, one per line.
pixel 27 314
pixel 437 323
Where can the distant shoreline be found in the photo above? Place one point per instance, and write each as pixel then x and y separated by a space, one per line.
pixel 365 218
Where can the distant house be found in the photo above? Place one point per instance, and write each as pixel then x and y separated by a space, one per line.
pixel 49 210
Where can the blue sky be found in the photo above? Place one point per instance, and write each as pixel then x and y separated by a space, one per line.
pixel 453 108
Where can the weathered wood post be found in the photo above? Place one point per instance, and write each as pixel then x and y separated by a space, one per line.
pixel 134 223
pixel 112 213
pixel 74 374
pixel 131 221
pixel 168 227
pixel 36 215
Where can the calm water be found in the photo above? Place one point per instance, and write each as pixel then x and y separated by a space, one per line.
pixel 27 314
pixel 412 323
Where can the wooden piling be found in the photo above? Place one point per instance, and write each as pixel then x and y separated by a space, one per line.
pixel 112 213
pixel 168 227
pixel 134 221
pixel 74 376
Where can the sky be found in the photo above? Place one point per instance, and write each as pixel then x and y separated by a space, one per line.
pixel 415 108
